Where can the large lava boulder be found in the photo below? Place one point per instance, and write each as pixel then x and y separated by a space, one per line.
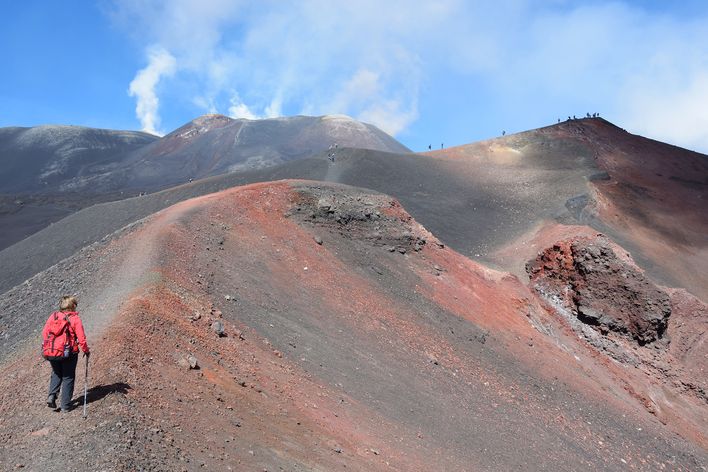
pixel 602 290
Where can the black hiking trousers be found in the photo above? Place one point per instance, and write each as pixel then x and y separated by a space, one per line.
pixel 63 374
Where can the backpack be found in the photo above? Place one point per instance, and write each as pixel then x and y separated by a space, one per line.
pixel 56 345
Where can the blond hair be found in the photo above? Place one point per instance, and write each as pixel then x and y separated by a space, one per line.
pixel 68 303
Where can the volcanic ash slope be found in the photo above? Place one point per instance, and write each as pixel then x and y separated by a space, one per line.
pixel 311 326
pixel 648 196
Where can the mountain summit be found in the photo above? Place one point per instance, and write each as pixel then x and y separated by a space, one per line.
pixel 56 159
pixel 216 144
pixel 51 171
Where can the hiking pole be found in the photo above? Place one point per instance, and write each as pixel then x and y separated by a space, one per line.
pixel 86 386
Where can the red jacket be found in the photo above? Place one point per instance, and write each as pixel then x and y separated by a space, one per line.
pixel 77 328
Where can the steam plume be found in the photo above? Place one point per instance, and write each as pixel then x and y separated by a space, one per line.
pixel 160 64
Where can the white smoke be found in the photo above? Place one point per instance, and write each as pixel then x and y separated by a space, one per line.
pixel 160 64
pixel 369 96
pixel 275 108
pixel 462 65
pixel 238 109
pixel 288 58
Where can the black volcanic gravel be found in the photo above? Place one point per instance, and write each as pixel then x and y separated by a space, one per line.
pixel 472 216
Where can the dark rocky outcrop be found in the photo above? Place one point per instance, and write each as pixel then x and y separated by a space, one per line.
pixel 373 217
pixel 588 278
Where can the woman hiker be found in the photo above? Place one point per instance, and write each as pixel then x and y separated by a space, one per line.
pixel 62 336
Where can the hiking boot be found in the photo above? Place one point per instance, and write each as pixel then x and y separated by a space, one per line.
pixel 52 402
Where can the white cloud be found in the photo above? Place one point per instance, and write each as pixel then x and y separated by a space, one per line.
pixel 646 70
pixel 389 62
pixel 391 116
pixel 292 58
pixel 160 64
pixel 238 109
pixel 672 109
pixel 191 31
pixel 365 96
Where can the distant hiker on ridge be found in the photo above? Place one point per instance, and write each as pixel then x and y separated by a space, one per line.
pixel 62 336
pixel 503 133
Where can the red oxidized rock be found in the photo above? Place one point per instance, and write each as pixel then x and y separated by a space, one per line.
pixel 588 278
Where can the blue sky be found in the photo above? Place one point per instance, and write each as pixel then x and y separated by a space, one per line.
pixel 428 72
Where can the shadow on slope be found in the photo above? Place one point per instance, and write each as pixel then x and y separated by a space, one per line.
pixel 100 392
pixel 471 211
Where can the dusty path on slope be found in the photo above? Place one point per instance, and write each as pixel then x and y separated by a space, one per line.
pixel 102 275
pixel 28 429
pixel 130 426
pixel 140 252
